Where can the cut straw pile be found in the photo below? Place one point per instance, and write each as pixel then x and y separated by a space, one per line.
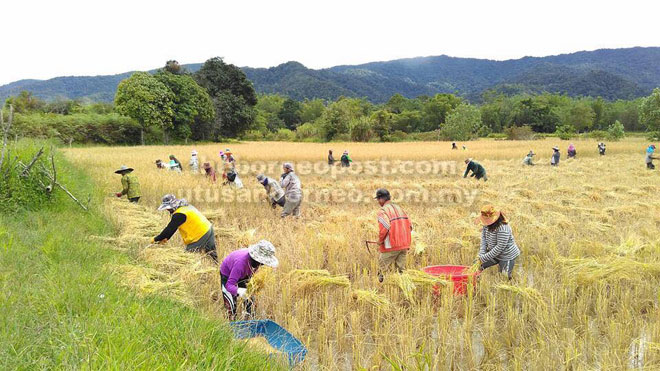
pixel 312 279
pixel 610 269
pixel 410 279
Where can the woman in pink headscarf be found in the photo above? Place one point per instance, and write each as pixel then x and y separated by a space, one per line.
pixel 571 151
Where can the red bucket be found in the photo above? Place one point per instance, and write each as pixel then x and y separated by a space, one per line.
pixel 457 274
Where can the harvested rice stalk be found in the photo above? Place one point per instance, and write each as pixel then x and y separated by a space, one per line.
pixel 260 280
pixel 424 279
pixel 404 282
pixel 474 267
pixel 371 297
pixel 527 293
pixel 148 281
pixel 317 282
pixel 304 273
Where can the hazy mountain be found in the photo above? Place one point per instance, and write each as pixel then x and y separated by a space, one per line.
pixel 610 73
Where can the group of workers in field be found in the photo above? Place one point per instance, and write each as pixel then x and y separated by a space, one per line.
pixel 497 246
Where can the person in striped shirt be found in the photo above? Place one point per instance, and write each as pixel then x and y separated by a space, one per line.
pixel 394 234
pixel 498 246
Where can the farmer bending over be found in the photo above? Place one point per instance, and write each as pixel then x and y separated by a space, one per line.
pixel 394 234
pixel 497 244
pixel 528 159
pixel 237 269
pixel 195 229
pixel 129 183
pixel 478 171
pixel 273 189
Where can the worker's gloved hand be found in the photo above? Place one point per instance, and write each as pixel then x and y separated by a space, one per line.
pixel 241 292
pixel 118 194
pixel 153 241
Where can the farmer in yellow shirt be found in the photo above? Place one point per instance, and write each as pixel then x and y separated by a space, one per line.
pixel 129 183
pixel 195 229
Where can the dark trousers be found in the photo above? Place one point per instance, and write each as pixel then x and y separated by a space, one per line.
pixel 230 300
pixel 134 199
pixel 649 165
pixel 504 265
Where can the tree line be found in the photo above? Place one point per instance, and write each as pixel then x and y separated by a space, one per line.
pixel 218 102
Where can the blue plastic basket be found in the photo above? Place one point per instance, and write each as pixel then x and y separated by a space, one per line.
pixel 277 337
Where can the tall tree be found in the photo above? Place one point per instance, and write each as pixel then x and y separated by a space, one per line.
pixel 174 67
pixel 233 96
pixel 435 110
pixel 146 100
pixel 463 123
pixel 649 111
pixel 192 105
pixel 290 113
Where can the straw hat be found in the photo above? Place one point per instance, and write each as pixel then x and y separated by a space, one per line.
pixel 489 215
pixel 123 169
pixel 264 252
pixel 194 153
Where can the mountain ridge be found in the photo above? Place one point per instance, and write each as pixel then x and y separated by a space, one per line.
pixel 610 73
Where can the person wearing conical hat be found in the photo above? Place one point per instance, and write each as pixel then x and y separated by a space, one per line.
pixel 196 231
pixel 498 246
pixel 238 268
pixel 129 183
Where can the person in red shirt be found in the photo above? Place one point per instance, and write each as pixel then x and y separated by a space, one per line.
pixel 394 234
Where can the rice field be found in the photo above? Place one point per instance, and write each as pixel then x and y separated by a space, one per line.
pixel 585 289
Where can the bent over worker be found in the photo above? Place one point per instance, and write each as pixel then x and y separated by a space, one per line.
pixel 195 229
pixel 478 171
pixel 129 184
pixel 273 189
pixel 497 244
pixel 237 270
pixel 394 234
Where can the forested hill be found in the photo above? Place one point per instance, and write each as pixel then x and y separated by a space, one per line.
pixel 609 73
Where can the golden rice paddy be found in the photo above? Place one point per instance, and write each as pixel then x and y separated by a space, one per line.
pixel 585 289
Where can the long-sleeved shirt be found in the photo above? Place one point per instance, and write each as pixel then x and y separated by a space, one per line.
pixel 476 169
pixel 345 161
pixel 130 186
pixel 498 245
pixel 528 160
pixel 274 190
pixel 331 159
pixel 555 158
pixel 236 267
pixel 194 164
pixel 292 187
pixel 177 220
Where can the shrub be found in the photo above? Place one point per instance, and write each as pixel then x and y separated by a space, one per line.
pixel 362 130
pixel 519 133
pixel 282 135
pixel 397 136
pixel 565 132
pixel 616 131
pixel 254 135
pixel 497 136
pixel 597 134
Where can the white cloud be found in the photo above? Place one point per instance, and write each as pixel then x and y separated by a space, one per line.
pixel 45 38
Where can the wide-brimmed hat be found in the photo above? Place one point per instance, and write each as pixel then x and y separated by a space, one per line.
pixel 288 165
pixel 555 148
pixel 489 215
pixel 123 169
pixel 206 165
pixel 264 252
pixel 382 193
pixel 194 153
pixel 261 177
pixel 170 202
pixel 468 160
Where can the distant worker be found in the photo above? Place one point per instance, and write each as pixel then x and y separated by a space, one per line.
pixel 528 159
pixel 497 244
pixel 331 158
pixel 238 268
pixel 292 191
pixel 129 183
pixel 453 145
pixel 554 160
pixel 222 156
pixel 230 176
pixel 229 158
pixel 394 234
pixel 175 164
pixel 346 159
pixel 649 157
pixel 478 171
pixel 194 162
pixel 196 231
pixel 209 171
pixel 464 148
pixel 273 189
pixel 571 151
pixel 160 164
pixel 601 148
